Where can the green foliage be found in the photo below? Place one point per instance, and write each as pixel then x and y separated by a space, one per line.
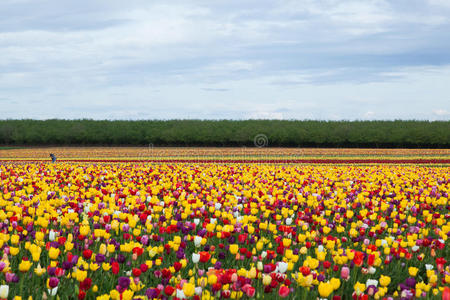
pixel 410 134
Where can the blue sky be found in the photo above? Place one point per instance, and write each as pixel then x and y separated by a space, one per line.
pixel 292 59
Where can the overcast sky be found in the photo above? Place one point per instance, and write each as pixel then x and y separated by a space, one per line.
pixel 299 59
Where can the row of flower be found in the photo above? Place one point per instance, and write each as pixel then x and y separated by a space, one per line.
pixel 219 153
pixel 211 231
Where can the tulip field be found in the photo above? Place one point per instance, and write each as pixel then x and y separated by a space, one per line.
pixel 121 223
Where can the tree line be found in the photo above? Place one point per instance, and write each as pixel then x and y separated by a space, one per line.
pixel 279 133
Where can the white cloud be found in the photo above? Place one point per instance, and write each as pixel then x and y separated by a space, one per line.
pixel 266 115
pixel 441 112
pixel 369 115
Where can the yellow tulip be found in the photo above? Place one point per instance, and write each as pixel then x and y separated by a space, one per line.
pixel 53 253
pixel 325 289
pixel 188 289
pixel 24 266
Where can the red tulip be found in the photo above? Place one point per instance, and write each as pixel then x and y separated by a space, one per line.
pixel 204 256
pixel 169 290
pixel 216 287
pixel 305 270
pixel 358 259
pixel 115 267
pixel 283 291
pixel 139 251
pixel 86 284
pixel 87 253
pixel 226 294
pixel 177 266
pixel 371 259
pixel 446 293
pixel 136 272
pixel 81 295
pixel 242 238
pixel 143 268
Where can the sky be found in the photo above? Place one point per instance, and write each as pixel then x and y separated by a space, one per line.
pixel 225 59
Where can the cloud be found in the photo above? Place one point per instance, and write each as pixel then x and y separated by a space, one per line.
pixel 215 89
pixel 441 112
pixel 264 115
pixel 151 59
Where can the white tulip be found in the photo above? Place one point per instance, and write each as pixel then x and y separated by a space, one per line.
pixel 260 266
pixel 4 291
pixel 429 267
pixel 53 291
pixel 288 221
pixel 195 258
pixel 180 294
pixel 282 266
pixel 373 282
pixel 51 235
pixel 197 241
pixel 196 221
pixel 198 290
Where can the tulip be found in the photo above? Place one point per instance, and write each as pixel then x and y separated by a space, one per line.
pixel 413 271
pixel 359 288
pixel 325 289
pixel 249 290
pixel 283 292
pixel 198 241
pixel 24 266
pixel 195 258
pixel 282 267
pixel 385 280
pixel 4 291
pixel 39 270
pixel 53 253
pixel 234 249
pixel 51 235
pixel 53 282
pixel 446 293
pixel 336 283
pixel 345 273
pixel 266 279
pixel 188 289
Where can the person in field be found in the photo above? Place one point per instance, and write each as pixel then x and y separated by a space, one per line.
pixel 53 157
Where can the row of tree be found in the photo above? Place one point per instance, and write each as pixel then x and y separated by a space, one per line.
pixel 279 133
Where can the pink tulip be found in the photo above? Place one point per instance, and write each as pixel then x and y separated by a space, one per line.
pixel 345 273
pixel 9 277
